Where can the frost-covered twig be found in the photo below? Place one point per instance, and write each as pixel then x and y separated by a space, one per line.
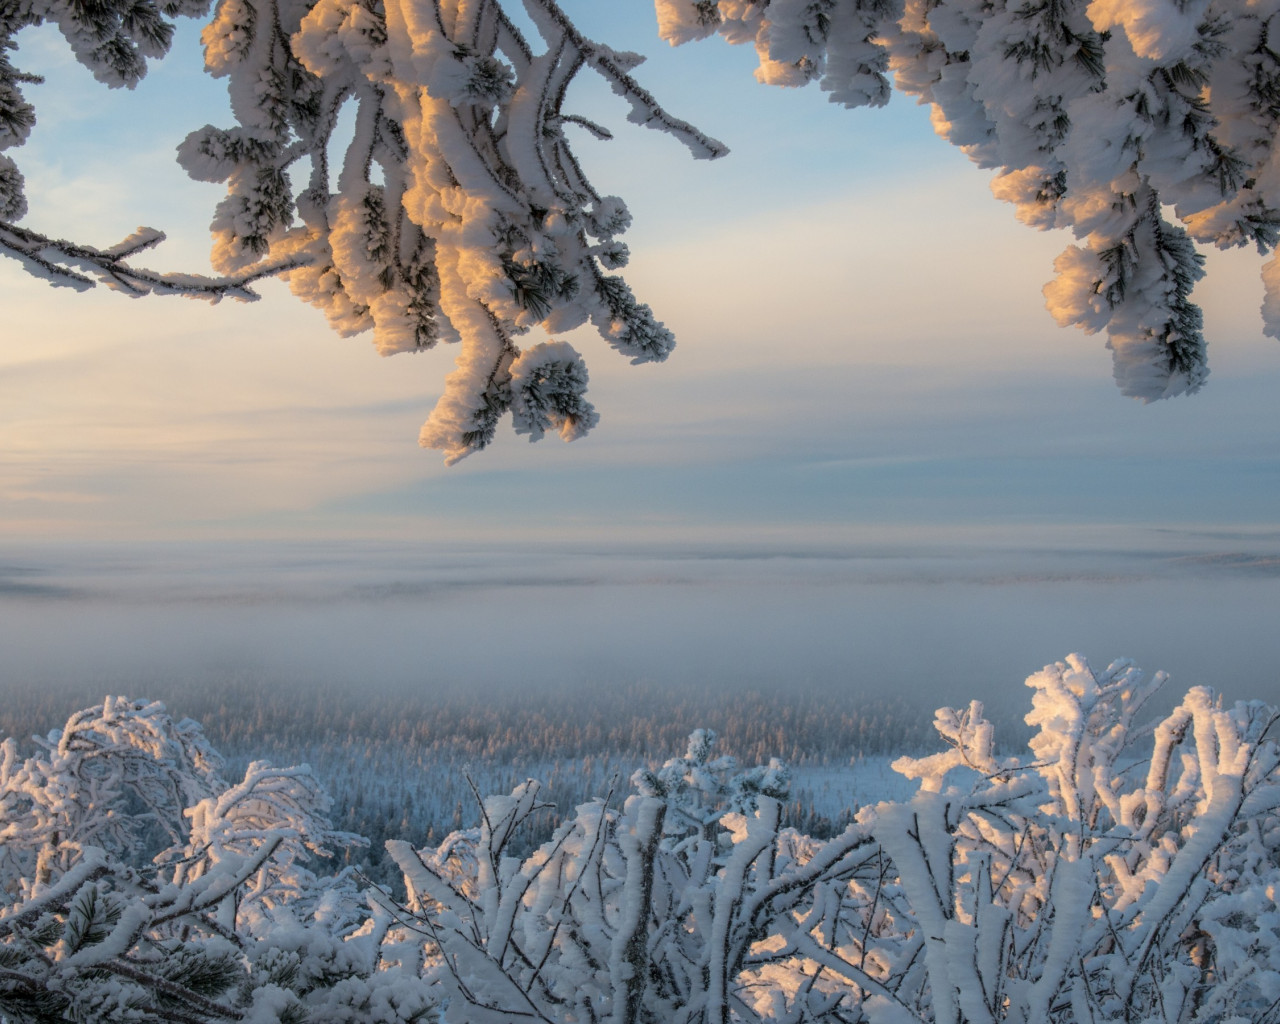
pixel 201 1009
pixel 75 265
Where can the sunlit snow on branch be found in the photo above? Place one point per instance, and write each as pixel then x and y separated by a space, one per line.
pixel 1105 117
pixel 460 212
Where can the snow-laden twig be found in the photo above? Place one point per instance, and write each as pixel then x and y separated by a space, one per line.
pixel 79 266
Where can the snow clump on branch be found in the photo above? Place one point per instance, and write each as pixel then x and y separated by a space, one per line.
pixel 1104 117
pixel 460 212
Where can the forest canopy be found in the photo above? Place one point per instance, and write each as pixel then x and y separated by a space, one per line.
pixel 457 210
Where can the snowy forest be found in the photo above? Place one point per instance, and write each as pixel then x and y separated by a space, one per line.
pixel 1123 867
pixel 407 765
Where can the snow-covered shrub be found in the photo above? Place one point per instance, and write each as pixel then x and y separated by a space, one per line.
pixel 136 884
pixel 613 918
pixel 1117 872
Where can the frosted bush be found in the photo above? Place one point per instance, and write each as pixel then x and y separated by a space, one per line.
pixel 1121 869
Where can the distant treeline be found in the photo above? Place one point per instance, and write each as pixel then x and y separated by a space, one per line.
pixel 398 764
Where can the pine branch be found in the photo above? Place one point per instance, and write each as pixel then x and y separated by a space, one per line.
pixel 645 109
pixel 54 260
pixel 205 1008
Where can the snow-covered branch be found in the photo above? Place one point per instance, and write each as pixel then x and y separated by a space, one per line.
pixel 75 265
pixel 224 923
pixel 458 211
pixel 1105 117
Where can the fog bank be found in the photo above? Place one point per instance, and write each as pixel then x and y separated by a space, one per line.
pixel 931 620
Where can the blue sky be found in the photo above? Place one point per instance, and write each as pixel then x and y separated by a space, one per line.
pixel 863 359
